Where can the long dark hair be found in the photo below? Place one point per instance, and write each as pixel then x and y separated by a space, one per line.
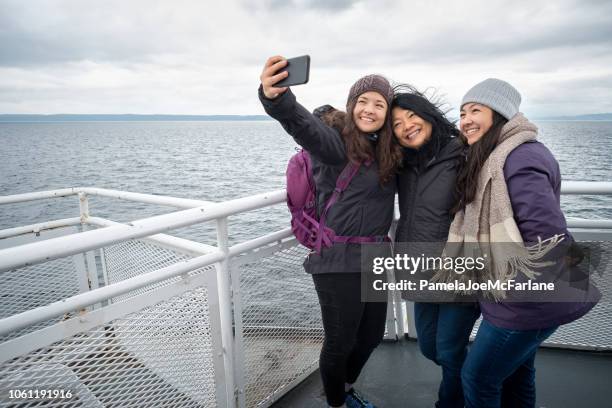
pixel 477 154
pixel 431 109
pixel 388 152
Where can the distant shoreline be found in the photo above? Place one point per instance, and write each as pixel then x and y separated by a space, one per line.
pixel 34 118
pixel 20 118
pixel 594 117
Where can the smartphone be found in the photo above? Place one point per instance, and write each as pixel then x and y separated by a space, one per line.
pixel 298 68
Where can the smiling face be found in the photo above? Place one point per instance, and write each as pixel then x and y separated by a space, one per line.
pixel 476 120
pixel 410 129
pixel 370 112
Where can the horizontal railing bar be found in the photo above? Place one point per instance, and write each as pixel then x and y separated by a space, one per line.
pixel 567 187
pixel 78 323
pixel 35 228
pixel 181 245
pixel 29 254
pixel 196 248
pixel 122 195
pixel 43 313
pixel 40 195
pixel 589 223
pixel 586 187
pixel 174 220
pixel 146 198
pixel 260 242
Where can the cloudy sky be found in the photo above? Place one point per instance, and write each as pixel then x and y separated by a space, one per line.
pixel 205 57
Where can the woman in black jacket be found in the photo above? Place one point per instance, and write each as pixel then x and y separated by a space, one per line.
pixel 432 156
pixel 365 209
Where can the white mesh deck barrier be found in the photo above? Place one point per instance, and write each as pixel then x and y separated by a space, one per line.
pixel 124 315
pixel 150 347
pixel 594 330
pixel 281 324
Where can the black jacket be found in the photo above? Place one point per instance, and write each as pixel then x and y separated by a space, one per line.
pixel 365 207
pixel 426 196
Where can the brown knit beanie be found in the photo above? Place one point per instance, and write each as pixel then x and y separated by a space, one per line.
pixel 374 82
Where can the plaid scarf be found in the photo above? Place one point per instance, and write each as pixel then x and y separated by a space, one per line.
pixel 489 219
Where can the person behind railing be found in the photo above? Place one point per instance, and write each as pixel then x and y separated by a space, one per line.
pixel 352 328
pixel 509 195
pixel 433 155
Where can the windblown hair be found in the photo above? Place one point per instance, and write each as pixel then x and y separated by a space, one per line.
pixel 359 148
pixel 477 154
pixel 431 109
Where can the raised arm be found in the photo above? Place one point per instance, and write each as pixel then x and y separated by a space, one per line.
pixel 312 134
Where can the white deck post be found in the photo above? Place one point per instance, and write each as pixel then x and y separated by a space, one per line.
pixel 89 256
pixel 391 317
pixel 412 333
pixel 225 309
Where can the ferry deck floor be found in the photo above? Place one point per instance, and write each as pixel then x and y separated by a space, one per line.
pixel 398 376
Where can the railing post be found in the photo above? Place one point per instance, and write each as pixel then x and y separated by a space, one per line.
pixel 395 316
pixel 89 257
pixel 391 315
pixel 412 333
pixel 239 352
pixel 399 313
pixel 83 207
pixel 225 309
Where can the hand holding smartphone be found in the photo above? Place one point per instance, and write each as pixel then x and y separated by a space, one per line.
pixel 298 69
pixel 280 73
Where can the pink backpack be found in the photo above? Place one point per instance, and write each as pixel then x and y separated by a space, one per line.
pixel 301 200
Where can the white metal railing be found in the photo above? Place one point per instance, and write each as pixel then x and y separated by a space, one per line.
pixel 12 259
pixel 226 297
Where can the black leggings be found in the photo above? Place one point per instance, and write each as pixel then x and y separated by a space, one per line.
pixel 352 331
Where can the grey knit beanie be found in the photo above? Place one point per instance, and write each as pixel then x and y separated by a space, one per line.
pixel 374 82
pixel 497 95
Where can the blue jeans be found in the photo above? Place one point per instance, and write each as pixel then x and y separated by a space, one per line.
pixel 499 370
pixel 444 331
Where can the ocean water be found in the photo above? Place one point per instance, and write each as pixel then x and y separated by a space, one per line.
pixel 213 161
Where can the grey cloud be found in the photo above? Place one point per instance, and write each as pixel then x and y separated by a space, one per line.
pixel 27 39
pixel 336 5
pixel 442 43
pixel 579 40
pixel 328 5
pixel 21 48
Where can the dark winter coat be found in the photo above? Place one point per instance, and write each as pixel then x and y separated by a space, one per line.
pixel 534 185
pixel 426 196
pixel 365 207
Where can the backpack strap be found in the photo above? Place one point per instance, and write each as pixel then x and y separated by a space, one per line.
pixel 341 184
pixel 349 171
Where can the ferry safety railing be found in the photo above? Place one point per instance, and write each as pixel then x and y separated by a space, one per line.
pixel 104 313
pixel 235 371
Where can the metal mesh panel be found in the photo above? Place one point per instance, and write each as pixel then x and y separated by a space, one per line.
pixel 34 286
pixel 158 356
pixel 593 330
pixel 282 326
pixel 133 258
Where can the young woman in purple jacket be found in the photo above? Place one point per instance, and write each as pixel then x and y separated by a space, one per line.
pixel 509 190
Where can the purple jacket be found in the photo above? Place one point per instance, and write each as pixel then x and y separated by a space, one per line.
pixel 534 184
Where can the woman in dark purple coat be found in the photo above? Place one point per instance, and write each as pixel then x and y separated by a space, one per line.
pixel 509 192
